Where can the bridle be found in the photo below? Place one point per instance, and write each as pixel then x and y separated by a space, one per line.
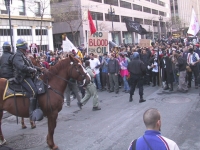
pixel 73 66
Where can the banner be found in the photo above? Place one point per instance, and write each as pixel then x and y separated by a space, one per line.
pixel 98 43
pixel 68 46
pixel 194 24
pixel 91 23
pixel 133 26
pixel 144 43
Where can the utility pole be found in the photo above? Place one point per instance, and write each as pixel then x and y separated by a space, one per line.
pixel 111 11
pixel 7 3
pixel 160 33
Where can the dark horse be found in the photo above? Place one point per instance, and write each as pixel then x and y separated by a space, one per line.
pixel 50 102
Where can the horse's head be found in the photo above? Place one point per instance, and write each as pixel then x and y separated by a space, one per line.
pixel 78 72
pixel 35 61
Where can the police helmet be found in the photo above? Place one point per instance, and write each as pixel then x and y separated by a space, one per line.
pixel 21 44
pixel 6 46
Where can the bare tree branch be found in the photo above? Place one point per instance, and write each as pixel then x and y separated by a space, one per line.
pixel 72 13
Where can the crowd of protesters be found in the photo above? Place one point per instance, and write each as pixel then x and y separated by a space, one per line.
pixel 168 63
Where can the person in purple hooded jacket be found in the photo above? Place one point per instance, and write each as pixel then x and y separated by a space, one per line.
pixel 152 138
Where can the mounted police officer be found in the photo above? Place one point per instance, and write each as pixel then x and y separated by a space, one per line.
pixel 6 69
pixel 24 71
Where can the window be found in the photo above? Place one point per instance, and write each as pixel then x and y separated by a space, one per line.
pixel 162 24
pixel 155 23
pixel 172 8
pixel 4 12
pixel 38 32
pixel 108 17
pixel 99 15
pixel 100 1
pixel 154 1
pixel 147 22
pixel 154 11
pixel 147 10
pixel 139 20
pixel 24 32
pixel 125 4
pixel 122 18
pixel 161 13
pixel 176 7
pixel 21 7
pixel 5 32
pixel 137 7
pixel 37 9
pixel 111 2
pixel 161 3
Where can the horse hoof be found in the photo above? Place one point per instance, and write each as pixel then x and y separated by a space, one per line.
pixel 33 127
pixel 2 142
pixel 24 127
pixel 55 147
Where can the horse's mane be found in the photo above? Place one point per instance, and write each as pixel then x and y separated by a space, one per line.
pixel 58 66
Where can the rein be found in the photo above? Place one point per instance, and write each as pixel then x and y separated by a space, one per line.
pixel 64 78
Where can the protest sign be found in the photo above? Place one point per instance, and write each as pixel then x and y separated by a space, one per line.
pixel 145 43
pixel 68 46
pixel 98 43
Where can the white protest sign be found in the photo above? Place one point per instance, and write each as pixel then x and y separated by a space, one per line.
pixel 98 43
pixel 68 46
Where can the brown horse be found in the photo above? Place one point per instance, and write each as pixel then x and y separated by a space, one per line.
pixel 50 102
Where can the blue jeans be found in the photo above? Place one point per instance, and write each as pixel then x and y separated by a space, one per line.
pixel 98 81
pixel 126 86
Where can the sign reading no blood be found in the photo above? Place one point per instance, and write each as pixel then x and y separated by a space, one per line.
pixel 98 43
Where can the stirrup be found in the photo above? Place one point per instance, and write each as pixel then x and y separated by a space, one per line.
pixel 2 142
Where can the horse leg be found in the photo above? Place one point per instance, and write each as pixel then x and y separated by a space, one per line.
pixel 2 140
pixel 23 124
pixel 33 125
pixel 51 126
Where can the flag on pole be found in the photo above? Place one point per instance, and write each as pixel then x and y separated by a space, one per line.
pixel 133 26
pixel 91 24
pixel 194 24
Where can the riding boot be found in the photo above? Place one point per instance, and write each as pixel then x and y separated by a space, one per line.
pixel 31 107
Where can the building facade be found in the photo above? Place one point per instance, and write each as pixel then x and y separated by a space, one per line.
pixel 26 23
pixel 146 12
pixel 181 11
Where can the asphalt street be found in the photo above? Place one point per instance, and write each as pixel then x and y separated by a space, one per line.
pixel 116 125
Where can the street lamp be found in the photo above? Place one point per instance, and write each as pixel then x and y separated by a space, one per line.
pixel 160 19
pixel 111 12
pixel 7 4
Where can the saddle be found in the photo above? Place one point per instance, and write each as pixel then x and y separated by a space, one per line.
pixel 14 89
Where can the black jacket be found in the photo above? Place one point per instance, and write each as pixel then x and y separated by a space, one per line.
pixel 6 69
pixel 113 66
pixel 22 66
pixel 181 63
pixel 137 67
